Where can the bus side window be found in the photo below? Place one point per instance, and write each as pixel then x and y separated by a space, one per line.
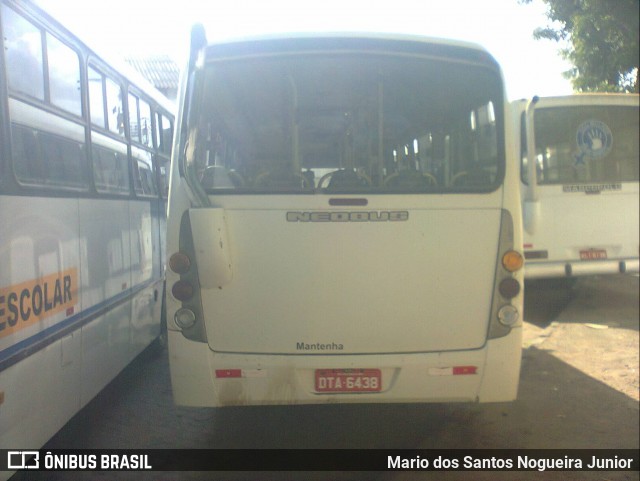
pixel 26 155
pixel 143 176
pixel 115 111
pixel 164 134
pixel 41 158
pixel 23 54
pixel 64 161
pixel 110 171
pixel 134 119
pixel 163 174
pixel 96 98
pixel 64 76
pixel 164 137
pixel 146 135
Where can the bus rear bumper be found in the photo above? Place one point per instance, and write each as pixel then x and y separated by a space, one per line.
pixel 543 270
pixel 201 377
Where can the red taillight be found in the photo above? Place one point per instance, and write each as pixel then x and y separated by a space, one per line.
pixel 223 373
pixel 453 371
pixel 464 370
pixel 509 288
pixel 179 263
pixel 182 291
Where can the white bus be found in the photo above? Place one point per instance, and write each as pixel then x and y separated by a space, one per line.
pixel 84 162
pixel 580 196
pixel 344 224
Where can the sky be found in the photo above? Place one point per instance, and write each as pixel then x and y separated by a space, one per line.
pixel 504 27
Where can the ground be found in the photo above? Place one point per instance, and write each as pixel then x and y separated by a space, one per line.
pixel 596 332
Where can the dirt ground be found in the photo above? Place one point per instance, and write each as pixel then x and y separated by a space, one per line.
pixel 596 333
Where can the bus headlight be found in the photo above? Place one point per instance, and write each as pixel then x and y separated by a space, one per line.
pixel 184 318
pixel 508 315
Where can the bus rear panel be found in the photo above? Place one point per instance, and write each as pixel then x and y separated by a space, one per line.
pixel 341 225
pixel 581 205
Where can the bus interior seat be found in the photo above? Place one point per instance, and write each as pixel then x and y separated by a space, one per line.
pixel 283 179
pixel 345 180
pixel 410 180
pixel 217 177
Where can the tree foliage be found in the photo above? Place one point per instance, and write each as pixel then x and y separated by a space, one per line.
pixel 602 38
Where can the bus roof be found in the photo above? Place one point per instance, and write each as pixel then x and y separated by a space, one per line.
pixel 589 98
pixel 384 36
pixel 282 42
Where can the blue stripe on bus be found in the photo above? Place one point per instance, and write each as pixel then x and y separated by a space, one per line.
pixel 39 341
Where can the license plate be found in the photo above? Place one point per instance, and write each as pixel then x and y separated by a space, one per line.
pixel 593 254
pixel 348 380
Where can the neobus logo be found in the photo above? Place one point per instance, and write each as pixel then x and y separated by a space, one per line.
pixel 373 216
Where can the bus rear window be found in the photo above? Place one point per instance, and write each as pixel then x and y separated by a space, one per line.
pixel 345 124
pixel 585 144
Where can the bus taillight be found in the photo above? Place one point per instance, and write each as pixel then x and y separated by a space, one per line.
pixel 182 291
pixel 509 288
pixel 179 263
pixel 512 261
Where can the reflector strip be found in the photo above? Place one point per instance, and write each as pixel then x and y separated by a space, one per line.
pixel 453 371
pixel 227 373
pixel 464 370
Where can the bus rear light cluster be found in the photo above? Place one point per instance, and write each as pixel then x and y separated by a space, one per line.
pixel 182 291
pixel 188 317
pixel 179 263
pixel 506 304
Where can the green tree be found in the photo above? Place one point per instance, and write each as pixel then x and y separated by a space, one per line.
pixel 601 38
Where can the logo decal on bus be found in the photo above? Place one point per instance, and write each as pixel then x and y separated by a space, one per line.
pixel 358 216
pixel 303 346
pixel 591 188
pixel 594 140
pixel 27 303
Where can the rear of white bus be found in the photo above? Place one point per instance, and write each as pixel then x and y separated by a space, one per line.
pixel 580 197
pixel 344 225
